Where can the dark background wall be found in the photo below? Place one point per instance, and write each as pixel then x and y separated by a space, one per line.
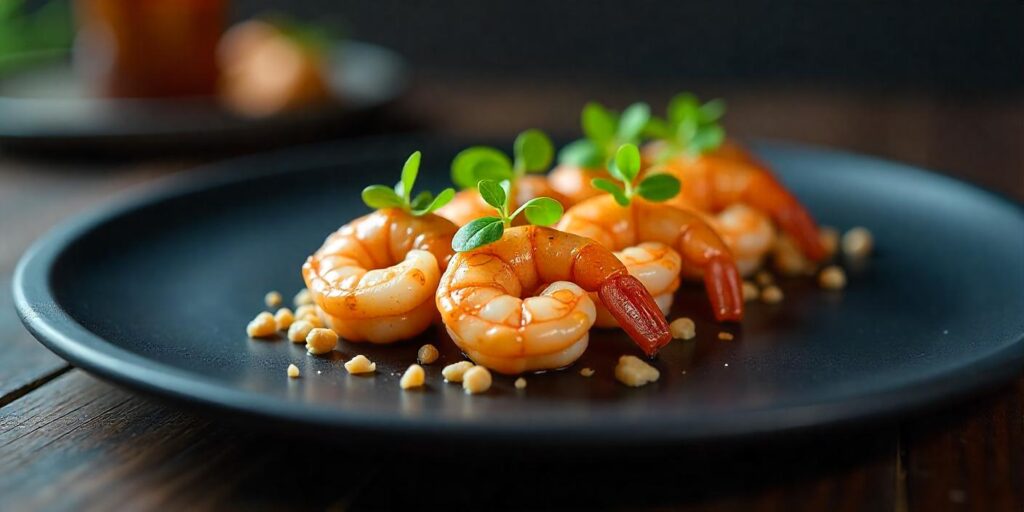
pixel 938 45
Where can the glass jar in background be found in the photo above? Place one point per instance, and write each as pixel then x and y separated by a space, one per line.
pixel 149 48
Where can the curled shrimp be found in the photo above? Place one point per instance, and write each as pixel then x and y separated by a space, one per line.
pixel 374 278
pixel 573 182
pixel 729 175
pixel 703 252
pixel 749 234
pixel 468 205
pixel 482 304
pixel 656 266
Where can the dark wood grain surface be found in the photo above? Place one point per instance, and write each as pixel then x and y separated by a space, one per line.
pixel 71 442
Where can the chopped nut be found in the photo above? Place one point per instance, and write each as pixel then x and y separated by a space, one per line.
pixel 302 298
pixel 771 295
pixel 314 320
pixel 299 330
pixel 829 237
pixel 725 336
pixel 305 310
pixel 262 326
pixel 413 377
pixel 631 371
pixel 683 328
pixel 284 319
pixel 427 354
pixel 520 383
pixel 293 371
pixel 321 341
pixel 455 371
pixel 587 372
pixel 360 364
pixel 750 291
pixel 832 278
pixel 476 380
pixel 764 278
pixel 857 243
pixel 273 299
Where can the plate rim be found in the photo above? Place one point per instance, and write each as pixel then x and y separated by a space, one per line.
pixel 42 315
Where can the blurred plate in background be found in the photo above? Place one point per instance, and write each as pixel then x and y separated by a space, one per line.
pixel 45 106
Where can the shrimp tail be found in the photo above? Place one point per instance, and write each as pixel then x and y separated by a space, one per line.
pixel 722 281
pixel 634 308
pixel 792 217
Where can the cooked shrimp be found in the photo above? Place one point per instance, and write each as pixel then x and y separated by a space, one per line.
pixel 468 205
pixel 729 175
pixel 749 234
pixel 374 279
pixel 703 252
pixel 573 182
pixel 481 300
pixel 656 266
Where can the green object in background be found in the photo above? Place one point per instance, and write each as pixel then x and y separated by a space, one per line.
pixel 29 33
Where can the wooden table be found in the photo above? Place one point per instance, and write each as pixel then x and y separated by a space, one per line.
pixel 70 441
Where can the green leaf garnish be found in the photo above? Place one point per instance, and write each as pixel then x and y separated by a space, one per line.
pixel 381 196
pixel 493 193
pixel 582 153
pixel 540 211
pixel 478 232
pixel 480 163
pixel 690 127
pixel 625 167
pixel 658 187
pixel 605 131
pixel 533 152
pixel 613 189
pixel 598 123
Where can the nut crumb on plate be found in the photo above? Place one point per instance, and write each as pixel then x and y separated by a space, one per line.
pixel 632 371
pixel 832 278
pixel 427 354
pixel 750 291
pixel 293 371
pixel 262 326
pixel 764 278
pixel 857 243
pixel 298 331
pixel 520 383
pixel 683 328
pixel 360 364
pixel 455 371
pixel 413 377
pixel 321 341
pixel 273 299
pixel 284 319
pixel 587 372
pixel 476 380
pixel 726 336
pixel 304 311
pixel 771 295
pixel 302 298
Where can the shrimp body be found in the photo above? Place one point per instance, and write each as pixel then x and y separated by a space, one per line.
pixel 482 304
pixel 573 182
pixel 656 266
pixel 749 234
pixel 714 181
pixel 701 250
pixel 468 205
pixel 374 279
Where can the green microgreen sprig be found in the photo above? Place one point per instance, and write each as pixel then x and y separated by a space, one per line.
pixel 625 168
pixel 532 152
pixel 604 131
pixel 400 196
pixel 690 128
pixel 539 211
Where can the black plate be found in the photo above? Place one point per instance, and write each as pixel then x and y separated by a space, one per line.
pixel 155 294
pixel 46 105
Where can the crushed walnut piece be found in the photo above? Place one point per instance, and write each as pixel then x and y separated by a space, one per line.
pixel 360 365
pixel 263 326
pixel 683 328
pixel 632 371
pixel 476 380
